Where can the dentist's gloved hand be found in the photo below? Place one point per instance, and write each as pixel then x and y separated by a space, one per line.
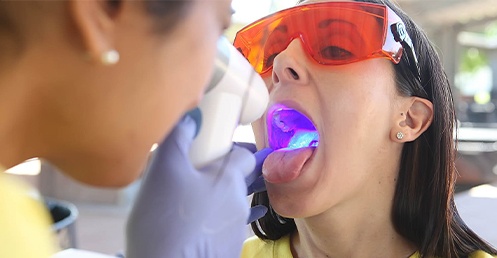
pixel 184 212
pixel 255 181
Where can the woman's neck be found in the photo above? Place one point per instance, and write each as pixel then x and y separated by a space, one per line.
pixel 363 229
pixel 15 108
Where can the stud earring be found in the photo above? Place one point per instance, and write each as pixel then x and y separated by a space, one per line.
pixel 400 135
pixel 109 57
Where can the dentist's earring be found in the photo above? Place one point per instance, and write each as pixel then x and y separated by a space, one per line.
pixel 400 135
pixel 110 57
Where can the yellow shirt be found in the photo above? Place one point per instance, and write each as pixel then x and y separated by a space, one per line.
pixel 257 248
pixel 25 230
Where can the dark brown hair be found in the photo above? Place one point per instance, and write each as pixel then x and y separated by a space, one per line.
pixel 165 14
pixel 424 210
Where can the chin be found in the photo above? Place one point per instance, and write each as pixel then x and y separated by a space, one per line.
pixel 288 206
pixel 292 211
pixel 104 174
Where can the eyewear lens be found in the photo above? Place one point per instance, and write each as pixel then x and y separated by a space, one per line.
pixel 332 33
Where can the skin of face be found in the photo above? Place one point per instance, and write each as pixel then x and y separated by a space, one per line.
pixel 97 123
pixel 353 109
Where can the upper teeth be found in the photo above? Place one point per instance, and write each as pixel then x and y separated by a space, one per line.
pixel 280 123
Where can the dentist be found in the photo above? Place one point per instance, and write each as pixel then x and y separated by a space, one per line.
pixel 89 86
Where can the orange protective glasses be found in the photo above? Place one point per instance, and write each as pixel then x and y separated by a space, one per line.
pixel 332 33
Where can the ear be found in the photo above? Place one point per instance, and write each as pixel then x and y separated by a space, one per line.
pixel 95 22
pixel 414 121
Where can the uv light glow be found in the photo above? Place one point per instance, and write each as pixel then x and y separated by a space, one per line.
pixel 290 129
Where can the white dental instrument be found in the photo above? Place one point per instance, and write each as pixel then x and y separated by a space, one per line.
pixel 235 96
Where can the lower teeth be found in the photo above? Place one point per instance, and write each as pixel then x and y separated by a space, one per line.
pixel 303 138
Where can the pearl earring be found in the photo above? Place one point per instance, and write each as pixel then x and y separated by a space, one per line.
pixel 400 135
pixel 110 57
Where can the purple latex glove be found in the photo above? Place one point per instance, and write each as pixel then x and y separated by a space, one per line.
pixel 184 212
pixel 255 180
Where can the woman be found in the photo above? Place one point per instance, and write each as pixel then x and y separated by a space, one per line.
pixel 362 117
pixel 90 86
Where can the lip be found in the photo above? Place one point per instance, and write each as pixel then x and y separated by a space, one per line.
pixel 290 104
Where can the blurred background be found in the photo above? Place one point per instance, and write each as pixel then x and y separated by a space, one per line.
pixel 465 35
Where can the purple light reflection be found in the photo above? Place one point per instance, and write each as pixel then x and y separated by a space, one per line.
pixel 288 128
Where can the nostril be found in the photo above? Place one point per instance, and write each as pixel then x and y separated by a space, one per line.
pixel 294 74
pixel 275 78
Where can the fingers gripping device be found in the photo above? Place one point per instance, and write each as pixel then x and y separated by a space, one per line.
pixel 236 95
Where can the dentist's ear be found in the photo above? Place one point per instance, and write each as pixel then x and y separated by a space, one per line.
pixel 95 21
pixel 414 122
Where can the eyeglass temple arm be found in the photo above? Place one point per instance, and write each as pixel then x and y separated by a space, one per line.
pixel 400 35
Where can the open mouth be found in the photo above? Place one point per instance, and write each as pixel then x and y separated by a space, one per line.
pixel 288 128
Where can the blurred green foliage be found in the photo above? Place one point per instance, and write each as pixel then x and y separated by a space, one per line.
pixel 472 58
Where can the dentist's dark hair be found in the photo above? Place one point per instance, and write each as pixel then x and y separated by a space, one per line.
pixel 424 211
pixel 165 15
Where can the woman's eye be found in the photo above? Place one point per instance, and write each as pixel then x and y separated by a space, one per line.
pixel 336 53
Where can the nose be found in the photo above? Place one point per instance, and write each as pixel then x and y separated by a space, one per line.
pixel 289 65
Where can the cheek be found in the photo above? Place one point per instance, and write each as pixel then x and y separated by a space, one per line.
pixel 357 124
pixel 196 70
pixel 194 50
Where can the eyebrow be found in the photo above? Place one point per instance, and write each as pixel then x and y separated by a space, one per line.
pixel 327 22
pixel 322 24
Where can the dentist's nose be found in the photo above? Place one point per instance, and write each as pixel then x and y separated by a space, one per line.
pixel 289 65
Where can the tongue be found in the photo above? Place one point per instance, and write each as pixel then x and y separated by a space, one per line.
pixel 285 165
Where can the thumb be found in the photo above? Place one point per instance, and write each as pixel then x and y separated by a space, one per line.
pixel 254 180
pixel 256 213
